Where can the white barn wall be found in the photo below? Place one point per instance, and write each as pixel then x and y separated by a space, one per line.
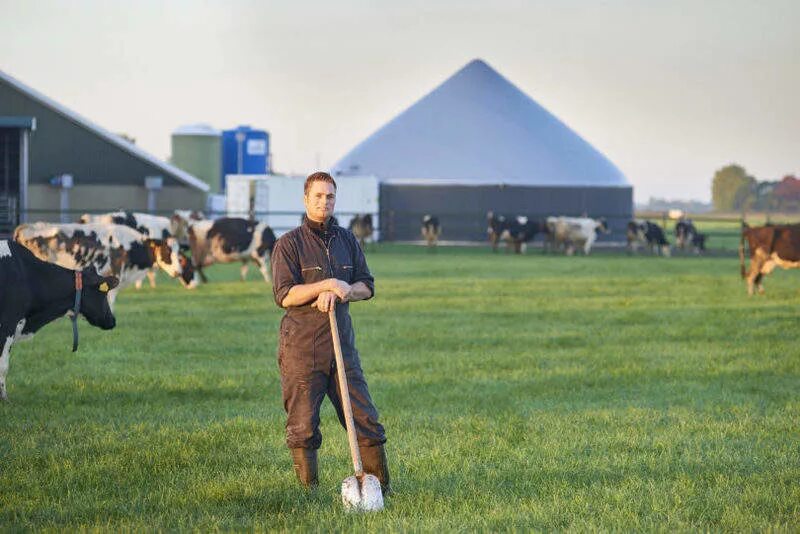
pixel 278 200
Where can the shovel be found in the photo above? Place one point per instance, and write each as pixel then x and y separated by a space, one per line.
pixel 360 492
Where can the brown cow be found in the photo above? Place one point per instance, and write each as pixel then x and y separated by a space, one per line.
pixel 770 246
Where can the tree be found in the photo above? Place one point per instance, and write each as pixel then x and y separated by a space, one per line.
pixel 787 193
pixel 732 189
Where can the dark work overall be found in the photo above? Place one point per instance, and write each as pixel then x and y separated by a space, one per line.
pixel 305 352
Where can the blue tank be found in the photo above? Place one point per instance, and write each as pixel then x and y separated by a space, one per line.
pixel 244 151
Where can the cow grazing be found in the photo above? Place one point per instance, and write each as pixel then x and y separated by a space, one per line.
pixel 113 249
pixel 361 226
pixel 770 247
pixel 515 231
pixel 574 232
pixel 180 222
pixel 431 230
pixel 230 239
pixel 152 226
pixel 496 229
pixel 687 236
pixel 36 292
pixel 649 234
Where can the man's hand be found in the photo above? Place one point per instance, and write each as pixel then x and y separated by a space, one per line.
pixel 325 301
pixel 340 288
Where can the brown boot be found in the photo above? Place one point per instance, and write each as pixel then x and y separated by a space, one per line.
pixel 305 466
pixel 373 460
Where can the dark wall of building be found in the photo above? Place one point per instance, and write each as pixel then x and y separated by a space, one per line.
pixel 462 209
pixel 61 146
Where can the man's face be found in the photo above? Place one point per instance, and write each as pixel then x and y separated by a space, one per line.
pixel 319 201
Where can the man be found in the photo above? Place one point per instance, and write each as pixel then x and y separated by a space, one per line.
pixel 315 267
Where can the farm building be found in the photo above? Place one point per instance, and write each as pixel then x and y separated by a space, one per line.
pixel 477 143
pixel 55 164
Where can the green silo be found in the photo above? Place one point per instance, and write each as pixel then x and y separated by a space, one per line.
pixel 197 149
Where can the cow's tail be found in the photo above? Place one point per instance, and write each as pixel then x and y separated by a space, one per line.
pixel 741 251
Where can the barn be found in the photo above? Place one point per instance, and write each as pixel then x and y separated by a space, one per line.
pixel 478 143
pixel 55 164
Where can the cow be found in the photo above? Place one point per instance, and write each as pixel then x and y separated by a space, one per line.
pixel 770 247
pixel 230 239
pixel 113 249
pixel 431 230
pixel 687 236
pixel 496 229
pixel 515 231
pixel 573 232
pixel 152 226
pixel 361 226
pixel 36 293
pixel 647 233
pixel 180 222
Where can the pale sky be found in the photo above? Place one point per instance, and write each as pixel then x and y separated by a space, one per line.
pixel 668 91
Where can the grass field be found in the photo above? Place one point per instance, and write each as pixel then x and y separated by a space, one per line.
pixel 518 393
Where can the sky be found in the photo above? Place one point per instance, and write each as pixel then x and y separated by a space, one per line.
pixel 668 91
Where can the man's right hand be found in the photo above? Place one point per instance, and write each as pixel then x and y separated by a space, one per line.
pixel 340 288
pixel 325 301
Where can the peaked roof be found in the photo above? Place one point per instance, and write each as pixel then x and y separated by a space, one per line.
pixel 114 139
pixel 478 128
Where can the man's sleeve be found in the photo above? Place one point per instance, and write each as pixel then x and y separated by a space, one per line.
pixel 360 270
pixel 285 270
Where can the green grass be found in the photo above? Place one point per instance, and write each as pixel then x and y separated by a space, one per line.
pixel 518 393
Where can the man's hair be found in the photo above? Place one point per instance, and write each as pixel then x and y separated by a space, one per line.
pixel 318 177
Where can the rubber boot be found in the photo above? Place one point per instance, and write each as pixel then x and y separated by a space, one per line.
pixel 373 461
pixel 304 462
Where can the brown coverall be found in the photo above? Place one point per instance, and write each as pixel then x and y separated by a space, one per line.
pixel 305 351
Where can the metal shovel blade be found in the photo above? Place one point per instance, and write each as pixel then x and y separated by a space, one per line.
pixel 365 496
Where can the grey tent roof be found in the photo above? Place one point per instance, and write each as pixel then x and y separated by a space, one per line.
pixel 478 128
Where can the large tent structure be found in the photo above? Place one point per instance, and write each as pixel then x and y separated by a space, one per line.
pixel 477 143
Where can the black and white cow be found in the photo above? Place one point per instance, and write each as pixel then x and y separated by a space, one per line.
pixel 111 248
pixel 35 292
pixel 431 230
pixel 152 226
pixel 649 234
pixel 515 231
pixel 231 239
pixel 687 236
pixel 361 226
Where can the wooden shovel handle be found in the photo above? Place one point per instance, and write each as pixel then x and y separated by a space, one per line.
pixel 344 392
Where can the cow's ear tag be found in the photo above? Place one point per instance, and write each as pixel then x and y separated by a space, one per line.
pixel 103 287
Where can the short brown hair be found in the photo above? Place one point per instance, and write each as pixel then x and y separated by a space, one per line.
pixel 318 177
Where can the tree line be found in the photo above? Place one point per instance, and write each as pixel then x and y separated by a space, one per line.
pixel 733 189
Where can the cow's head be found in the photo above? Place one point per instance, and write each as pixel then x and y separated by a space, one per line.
pixel 166 253
pixel 602 226
pixel 187 268
pixel 94 300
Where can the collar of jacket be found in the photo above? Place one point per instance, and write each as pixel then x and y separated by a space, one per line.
pixel 326 226
pixel 319 230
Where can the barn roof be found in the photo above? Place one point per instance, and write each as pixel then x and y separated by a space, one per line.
pixel 171 170
pixel 478 128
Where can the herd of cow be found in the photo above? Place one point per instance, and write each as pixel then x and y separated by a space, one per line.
pixel 50 270
pixel 568 234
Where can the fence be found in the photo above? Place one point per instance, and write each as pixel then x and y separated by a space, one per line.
pixel 722 232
